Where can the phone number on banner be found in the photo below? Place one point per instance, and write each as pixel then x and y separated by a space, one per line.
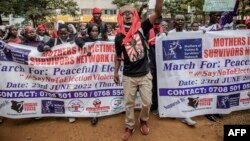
pixel 203 90
pixel 63 95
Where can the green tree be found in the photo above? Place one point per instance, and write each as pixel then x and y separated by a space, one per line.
pixel 244 8
pixel 176 7
pixel 121 3
pixel 38 10
pixel 6 8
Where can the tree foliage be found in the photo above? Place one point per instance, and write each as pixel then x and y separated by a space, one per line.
pixel 245 8
pixel 37 10
pixel 121 3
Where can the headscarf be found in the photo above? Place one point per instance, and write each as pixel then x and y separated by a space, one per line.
pixel 96 11
pixel 41 27
pixel 136 23
pixel 27 28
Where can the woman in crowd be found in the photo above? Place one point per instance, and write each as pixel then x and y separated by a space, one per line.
pixel 93 31
pixel 12 35
pixel 72 31
pixel 63 37
pixel 30 37
pixel 43 33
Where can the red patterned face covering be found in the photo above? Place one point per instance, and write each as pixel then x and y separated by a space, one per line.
pixel 136 24
pixel 152 35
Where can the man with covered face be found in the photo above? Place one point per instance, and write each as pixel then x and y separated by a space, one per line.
pixel 131 44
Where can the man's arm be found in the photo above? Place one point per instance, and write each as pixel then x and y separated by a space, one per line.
pixel 227 18
pixel 118 58
pixel 46 46
pixel 117 67
pixel 157 12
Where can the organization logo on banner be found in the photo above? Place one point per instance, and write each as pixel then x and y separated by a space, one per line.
pixel 182 49
pixel 175 103
pixel 246 100
pixel 76 106
pixel 4 104
pixel 17 106
pixel 53 107
pixel 97 107
pixel 117 104
pixel 23 107
pixel 227 101
pixel 199 102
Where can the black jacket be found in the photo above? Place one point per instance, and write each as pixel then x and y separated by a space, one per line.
pixel 52 42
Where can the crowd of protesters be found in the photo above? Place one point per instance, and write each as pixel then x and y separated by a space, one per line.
pixel 139 74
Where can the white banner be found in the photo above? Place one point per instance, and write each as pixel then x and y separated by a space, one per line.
pixel 64 82
pixel 219 5
pixel 203 73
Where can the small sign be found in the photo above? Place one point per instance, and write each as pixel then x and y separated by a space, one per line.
pixel 219 5
pixel 151 4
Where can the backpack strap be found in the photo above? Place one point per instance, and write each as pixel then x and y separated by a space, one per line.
pixel 140 31
pixel 144 38
pixel 55 43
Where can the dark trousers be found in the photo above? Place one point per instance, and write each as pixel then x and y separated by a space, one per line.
pixel 154 105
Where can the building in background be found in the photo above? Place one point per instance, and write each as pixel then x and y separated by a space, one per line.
pixel 109 12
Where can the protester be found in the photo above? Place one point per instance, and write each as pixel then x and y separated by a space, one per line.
pixel 42 33
pixel 188 27
pixel 179 21
pixel 110 31
pixel 130 41
pixel 116 29
pixel 156 30
pixel 97 13
pixel 30 37
pixel 63 37
pixel 217 23
pixel 55 31
pixel 12 35
pixel 164 26
pixel 93 32
pixel 219 20
pixel 72 31
pixel 195 26
pixel 82 31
